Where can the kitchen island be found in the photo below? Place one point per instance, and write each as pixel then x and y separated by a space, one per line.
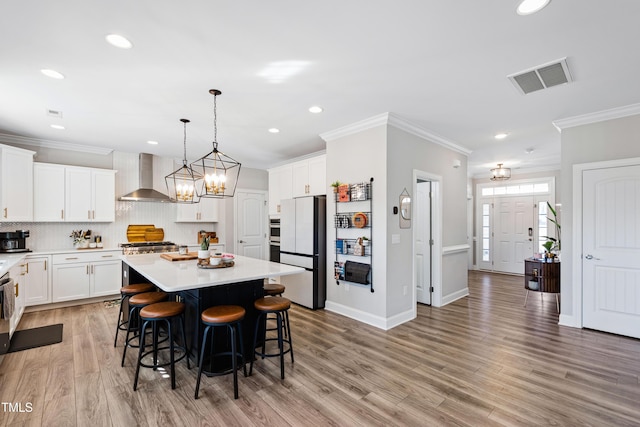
pixel 201 288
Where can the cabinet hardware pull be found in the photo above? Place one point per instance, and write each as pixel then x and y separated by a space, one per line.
pixel 94 214
pixel 91 268
pixel 87 269
pixel 75 257
pixel 89 214
pixel 62 214
pixel 45 265
pixel 27 271
pixel 17 289
pixel 107 256
pixel 5 212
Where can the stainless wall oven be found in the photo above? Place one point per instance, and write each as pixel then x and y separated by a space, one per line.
pixel 274 239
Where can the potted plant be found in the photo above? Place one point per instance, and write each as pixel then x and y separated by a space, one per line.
pixel 365 241
pixel 335 184
pixel 203 252
pixel 553 243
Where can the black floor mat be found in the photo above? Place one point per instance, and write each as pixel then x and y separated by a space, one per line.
pixel 36 337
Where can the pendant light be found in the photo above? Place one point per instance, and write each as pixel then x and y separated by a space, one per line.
pixel 220 172
pixel 183 183
pixel 500 173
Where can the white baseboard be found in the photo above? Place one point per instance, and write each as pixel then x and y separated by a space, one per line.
pixel 368 318
pixel 448 299
pixel 567 320
pixel 72 303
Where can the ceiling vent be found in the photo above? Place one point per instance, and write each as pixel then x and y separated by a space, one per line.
pixel 542 77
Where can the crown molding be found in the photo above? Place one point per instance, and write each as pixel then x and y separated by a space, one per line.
pixel 599 116
pixel 391 119
pixel 57 145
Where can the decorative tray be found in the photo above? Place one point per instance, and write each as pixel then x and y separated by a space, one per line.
pixel 221 265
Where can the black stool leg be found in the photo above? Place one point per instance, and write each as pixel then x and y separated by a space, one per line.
pixel 243 358
pixel 255 341
pixel 204 344
pixel 234 361
pixel 280 344
pixel 119 317
pixel 286 314
pixel 171 355
pixel 184 341
pixel 142 346
pixel 126 339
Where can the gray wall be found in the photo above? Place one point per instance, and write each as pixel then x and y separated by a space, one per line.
pixel 608 140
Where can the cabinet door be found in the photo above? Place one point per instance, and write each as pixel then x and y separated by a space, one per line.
pixel 37 290
pixel 209 209
pixel 318 176
pixel 70 281
pixel 105 278
pixel 103 196
pixel 187 212
pixel 78 192
pixel 48 192
pixel 300 179
pixel 17 273
pixel 274 191
pixel 16 192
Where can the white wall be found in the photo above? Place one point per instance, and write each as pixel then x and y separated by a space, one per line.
pixel 607 140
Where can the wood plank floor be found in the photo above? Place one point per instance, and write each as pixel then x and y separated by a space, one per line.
pixel 482 360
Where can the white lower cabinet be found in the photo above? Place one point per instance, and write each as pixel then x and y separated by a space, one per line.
pixel 37 286
pixel 84 275
pixel 17 273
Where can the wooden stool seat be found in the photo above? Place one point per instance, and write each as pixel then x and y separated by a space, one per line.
pixel 272 304
pixel 162 310
pixel 147 298
pixel 137 288
pixel 272 289
pixel 222 314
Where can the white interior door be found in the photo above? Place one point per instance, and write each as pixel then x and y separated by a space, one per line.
pixel 611 250
pixel 251 235
pixel 513 240
pixel 423 243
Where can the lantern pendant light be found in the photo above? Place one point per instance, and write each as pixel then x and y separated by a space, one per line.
pixel 500 173
pixel 220 172
pixel 183 183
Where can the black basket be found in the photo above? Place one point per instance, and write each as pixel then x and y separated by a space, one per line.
pixel 357 272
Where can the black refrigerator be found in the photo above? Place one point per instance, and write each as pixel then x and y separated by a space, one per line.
pixel 303 237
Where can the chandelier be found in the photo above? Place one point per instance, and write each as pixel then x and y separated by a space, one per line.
pixel 500 173
pixel 182 183
pixel 220 172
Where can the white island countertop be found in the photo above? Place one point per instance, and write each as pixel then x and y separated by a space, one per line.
pixel 173 276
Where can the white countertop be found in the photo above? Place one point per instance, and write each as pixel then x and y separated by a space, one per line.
pixel 173 276
pixel 7 261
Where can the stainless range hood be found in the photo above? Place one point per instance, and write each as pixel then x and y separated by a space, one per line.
pixel 145 192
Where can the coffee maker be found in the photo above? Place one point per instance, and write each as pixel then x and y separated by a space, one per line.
pixel 14 241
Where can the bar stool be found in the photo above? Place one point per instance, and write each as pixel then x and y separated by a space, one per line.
pixel 125 293
pixel 152 315
pixel 275 289
pixel 223 315
pixel 136 303
pixel 280 307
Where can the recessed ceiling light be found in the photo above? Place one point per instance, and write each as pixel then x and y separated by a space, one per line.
pixel 315 109
pixel 274 130
pixel 501 135
pixel 152 142
pixel 59 127
pixel 119 41
pixel 527 7
pixel 52 73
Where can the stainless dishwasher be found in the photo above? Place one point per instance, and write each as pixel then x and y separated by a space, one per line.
pixel 7 305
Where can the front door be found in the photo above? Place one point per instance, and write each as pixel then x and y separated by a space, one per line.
pixel 251 231
pixel 513 233
pixel 611 250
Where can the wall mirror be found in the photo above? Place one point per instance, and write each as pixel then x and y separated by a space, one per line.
pixel 405 209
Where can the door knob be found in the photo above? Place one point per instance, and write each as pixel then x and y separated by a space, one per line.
pixel 240 241
pixel 589 256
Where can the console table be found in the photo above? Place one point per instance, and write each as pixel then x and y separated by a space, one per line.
pixel 541 276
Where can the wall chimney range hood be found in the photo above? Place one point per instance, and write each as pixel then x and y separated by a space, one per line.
pixel 145 192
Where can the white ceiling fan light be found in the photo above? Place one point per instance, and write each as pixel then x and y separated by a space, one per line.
pixel 528 7
pixel 118 41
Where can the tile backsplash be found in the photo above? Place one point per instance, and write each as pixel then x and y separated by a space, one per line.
pixel 45 236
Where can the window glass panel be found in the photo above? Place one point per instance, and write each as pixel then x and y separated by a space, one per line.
pixel 499 190
pixel 485 255
pixel 485 231
pixel 541 187
pixel 485 209
pixel 485 220
pixel 487 191
pixel 526 188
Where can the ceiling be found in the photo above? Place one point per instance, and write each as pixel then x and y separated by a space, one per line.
pixel 441 65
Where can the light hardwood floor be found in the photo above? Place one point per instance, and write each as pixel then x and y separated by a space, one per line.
pixel 482 360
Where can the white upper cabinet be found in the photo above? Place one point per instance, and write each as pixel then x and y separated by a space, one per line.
pixel 48 192
pixel 16 184
pixel 89 194
pixel 208 210
pixel 280 187
pixel 298 179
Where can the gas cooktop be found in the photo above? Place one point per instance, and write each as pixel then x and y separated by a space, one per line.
pixel 132 248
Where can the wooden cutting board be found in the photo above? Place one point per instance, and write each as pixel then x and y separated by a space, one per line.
pixel 178 257
pixel 154 235
pixel 136 233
